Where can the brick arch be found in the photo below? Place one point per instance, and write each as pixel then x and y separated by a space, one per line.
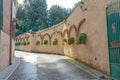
pixel 27 38
pixel 23 38
pixel 70 30
pixel 59 32
pixel 41 38
pixel 55 33
pixel 46 34
pixel 65 31
pixel 20 38
pixel 72 27
pixel 16 39
pixel 79 26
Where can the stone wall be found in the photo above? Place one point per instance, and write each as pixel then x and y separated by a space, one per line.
pixel 91 21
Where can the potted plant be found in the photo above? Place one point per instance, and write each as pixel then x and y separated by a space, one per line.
pixel 71 40
pixel 17 43
pixel 21 43
pixel 55 42
pixel 27 43
pixel 24 43
pixel 38 43
pixel 45 42
pixel 82 38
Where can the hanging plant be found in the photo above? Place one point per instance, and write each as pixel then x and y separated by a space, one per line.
pixel 27 43
pixel 82 38
pixel 55 42
pixel 45 42
pixel 24 43
pixel 38 43
pixel 71 40
pixel 17 43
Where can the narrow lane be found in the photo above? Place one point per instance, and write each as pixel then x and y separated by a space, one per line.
pixel 47 67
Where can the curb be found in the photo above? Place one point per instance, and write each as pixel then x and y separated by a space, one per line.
pixel 87 69
pixel 7 72
pixel 13 70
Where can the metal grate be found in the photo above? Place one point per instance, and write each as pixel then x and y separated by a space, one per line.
pixel 113 28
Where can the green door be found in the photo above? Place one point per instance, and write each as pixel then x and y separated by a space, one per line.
pixel 113 28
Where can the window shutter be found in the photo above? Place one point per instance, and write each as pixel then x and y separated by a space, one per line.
pixel 1 13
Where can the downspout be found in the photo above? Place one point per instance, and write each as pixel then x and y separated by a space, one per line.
pixel 10 55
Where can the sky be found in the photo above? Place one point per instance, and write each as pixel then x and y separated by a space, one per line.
pixel 63 3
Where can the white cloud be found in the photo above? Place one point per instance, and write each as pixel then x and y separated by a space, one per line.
pixel 20 1
pixel 63 3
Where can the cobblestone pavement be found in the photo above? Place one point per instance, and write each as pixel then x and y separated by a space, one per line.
pixel 47 67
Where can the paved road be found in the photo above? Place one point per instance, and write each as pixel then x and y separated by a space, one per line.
pixel 47 67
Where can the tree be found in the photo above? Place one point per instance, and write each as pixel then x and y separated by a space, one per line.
pixel 37 12
pixel 33 13
pixel 67 11
pixel 56 14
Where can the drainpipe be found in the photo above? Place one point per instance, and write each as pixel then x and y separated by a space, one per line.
pixel 11 24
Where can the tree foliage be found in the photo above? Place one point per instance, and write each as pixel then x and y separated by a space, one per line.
pixel 56 14
pixel 33 15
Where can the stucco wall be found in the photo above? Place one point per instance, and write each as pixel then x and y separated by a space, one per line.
pixel 4 43
pixel 97 36
pixel 92 22
pixel 4 50
pixel 5 36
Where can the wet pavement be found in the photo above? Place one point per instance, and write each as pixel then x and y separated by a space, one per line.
pixel 47 67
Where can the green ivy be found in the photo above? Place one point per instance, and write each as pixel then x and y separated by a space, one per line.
pixel 82 38
pixel 55 42
pixel 22 43
pixel 27 43
pixel 71 40
pixel 38 43
pixel 46 42
pixel 17 43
